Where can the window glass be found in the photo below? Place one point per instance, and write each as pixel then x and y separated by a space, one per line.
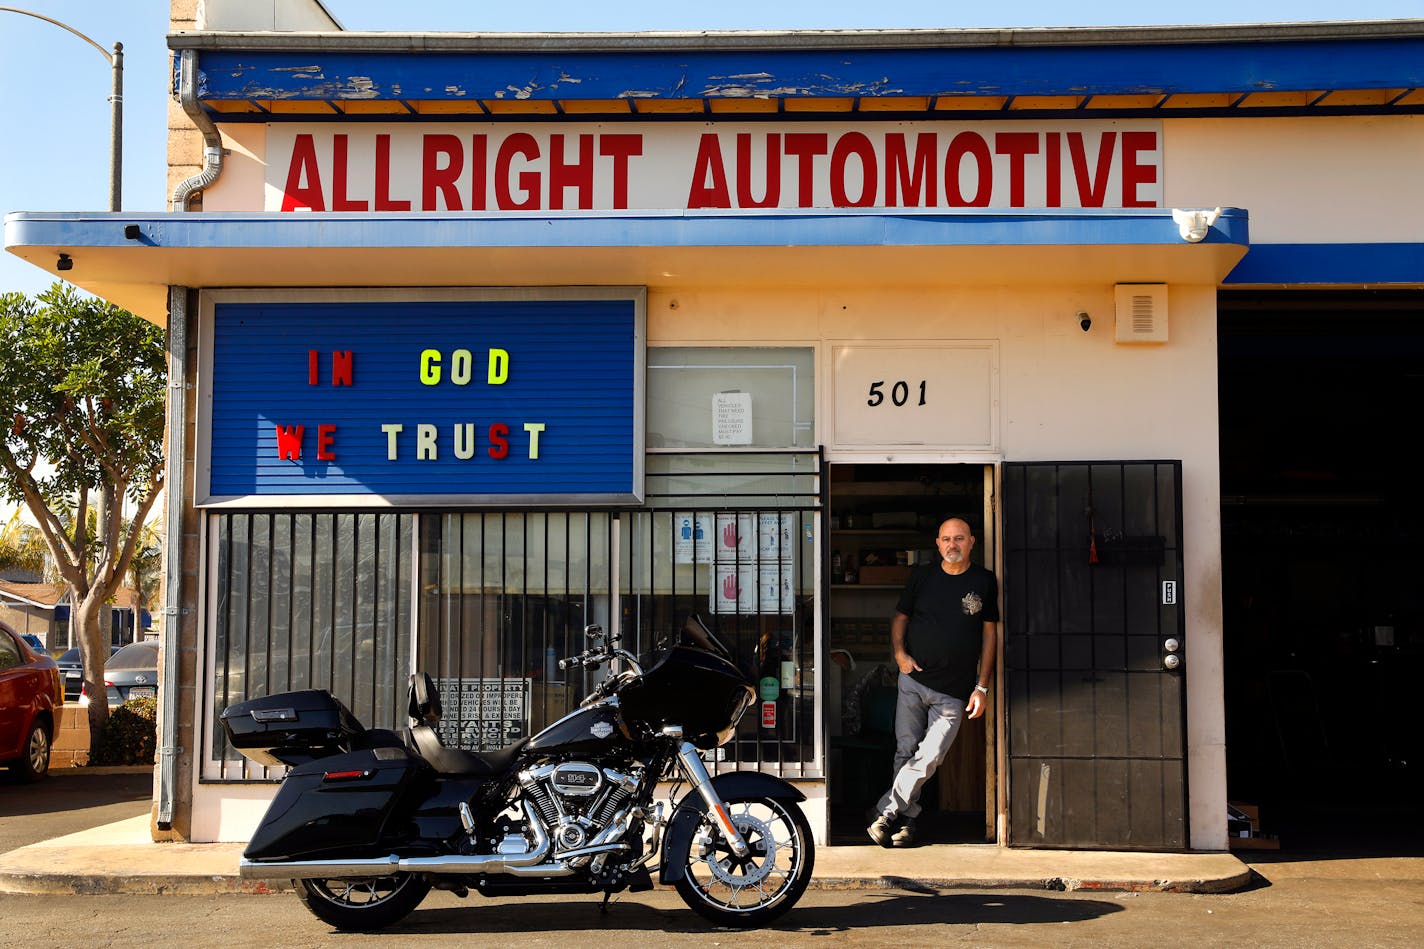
pixel 731 397
pixel 308 601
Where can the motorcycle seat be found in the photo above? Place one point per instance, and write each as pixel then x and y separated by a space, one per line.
pixel 425 711
pixel 458 761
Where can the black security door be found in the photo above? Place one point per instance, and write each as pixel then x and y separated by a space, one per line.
pixel 1094 655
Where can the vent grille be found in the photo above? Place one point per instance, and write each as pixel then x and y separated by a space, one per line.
pixel 1141 312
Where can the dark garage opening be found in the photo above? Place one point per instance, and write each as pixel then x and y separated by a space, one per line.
pixel 1323 565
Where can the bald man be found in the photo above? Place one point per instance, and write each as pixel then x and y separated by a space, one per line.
pixel 943 634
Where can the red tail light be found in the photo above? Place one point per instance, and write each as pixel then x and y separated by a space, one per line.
pixel 345 775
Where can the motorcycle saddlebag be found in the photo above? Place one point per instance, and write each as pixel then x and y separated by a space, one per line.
pixel 338 807
pixel 291 727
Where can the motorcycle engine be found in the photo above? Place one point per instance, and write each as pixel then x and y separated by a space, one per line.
pixel 577 799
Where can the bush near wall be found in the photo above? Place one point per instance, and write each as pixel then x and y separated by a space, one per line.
pixel 131 735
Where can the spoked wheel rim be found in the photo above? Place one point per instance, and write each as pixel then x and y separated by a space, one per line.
pixel 359 893
pixel 363 904
pixel 765 876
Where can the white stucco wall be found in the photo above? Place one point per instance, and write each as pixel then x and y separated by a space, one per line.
pixel 1304 180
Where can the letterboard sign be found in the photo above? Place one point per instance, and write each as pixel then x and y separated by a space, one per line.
pixel 318 398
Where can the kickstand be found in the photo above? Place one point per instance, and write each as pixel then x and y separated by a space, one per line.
pixel 607 895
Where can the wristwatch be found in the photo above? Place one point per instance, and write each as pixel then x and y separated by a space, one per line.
pixel 982 688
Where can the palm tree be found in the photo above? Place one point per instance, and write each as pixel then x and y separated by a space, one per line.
pixel 22 547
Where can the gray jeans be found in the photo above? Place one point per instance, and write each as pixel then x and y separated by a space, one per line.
pixel 926 723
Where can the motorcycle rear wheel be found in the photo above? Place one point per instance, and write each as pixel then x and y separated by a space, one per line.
pixel 754 890
pixel 364 904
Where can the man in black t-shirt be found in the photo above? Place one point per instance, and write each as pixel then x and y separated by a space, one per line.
pixel 944 638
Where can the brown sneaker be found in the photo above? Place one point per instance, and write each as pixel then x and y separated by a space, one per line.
pixel 880 830
pixel 905 836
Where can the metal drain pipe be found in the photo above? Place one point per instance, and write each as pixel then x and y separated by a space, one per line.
pixel 212 141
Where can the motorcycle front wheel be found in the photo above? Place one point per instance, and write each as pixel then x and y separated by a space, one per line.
pixel 755 889
pixel 364 904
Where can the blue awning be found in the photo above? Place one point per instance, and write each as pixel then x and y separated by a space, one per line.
pixel 763 248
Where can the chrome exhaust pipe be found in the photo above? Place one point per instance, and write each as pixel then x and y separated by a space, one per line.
pixel 386 866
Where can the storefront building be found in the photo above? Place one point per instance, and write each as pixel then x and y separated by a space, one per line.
pixel 485 338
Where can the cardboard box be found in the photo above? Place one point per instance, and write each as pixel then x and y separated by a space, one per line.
pixel 887 574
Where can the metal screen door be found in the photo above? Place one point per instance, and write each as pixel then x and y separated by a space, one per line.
pixel 1094 655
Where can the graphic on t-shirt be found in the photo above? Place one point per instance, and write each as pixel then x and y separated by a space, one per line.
pixel 972 604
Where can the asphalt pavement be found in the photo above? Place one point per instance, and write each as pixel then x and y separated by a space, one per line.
pixel 971 895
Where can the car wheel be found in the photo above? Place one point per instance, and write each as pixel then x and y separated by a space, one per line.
pixel 34 763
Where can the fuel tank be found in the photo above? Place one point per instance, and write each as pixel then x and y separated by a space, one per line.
pixel 598 728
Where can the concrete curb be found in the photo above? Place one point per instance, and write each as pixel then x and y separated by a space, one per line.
pixel 78 771
pixel 122 858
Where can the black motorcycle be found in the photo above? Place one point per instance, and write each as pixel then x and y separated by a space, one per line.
pixel 367 821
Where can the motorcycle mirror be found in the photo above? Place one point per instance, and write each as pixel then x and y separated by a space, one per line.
pixel 593 631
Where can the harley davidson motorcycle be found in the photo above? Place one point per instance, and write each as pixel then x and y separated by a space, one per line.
pixel 367 821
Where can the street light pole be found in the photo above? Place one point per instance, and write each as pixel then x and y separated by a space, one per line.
pixel 116 104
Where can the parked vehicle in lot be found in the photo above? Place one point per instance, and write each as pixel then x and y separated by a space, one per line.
pixel 71 670
pixel 132 673
pixel 30 701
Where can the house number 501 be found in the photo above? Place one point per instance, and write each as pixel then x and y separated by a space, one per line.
pixel 899 393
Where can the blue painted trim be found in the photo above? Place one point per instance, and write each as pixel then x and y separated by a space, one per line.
pixel 616 73
pixel 838 228
pixel 1330 264
pixel 572 367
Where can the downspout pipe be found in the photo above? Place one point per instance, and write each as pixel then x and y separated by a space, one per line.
pixel 212 141
pixel 175 471
pixel 175 477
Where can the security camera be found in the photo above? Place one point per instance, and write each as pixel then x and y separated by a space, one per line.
pixel 1085 322
pixel 65 262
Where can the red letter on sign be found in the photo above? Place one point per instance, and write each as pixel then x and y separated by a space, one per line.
pixel 499 444
pixel 853 143
pixel 312 376
pixel 383 177
pixel 620 148
pixel 968 143
pixel 289 442
pixel 805 146
pixel 914 182
pixel 771 196
pixel 1091 193
pixel 339 168
pixel 1053 174
pixel 325 435
pixel 1134 173
pixel 434 178
pixel 1016 145
pixel 303 166
pixel 342 362
pixel 520 143
pixel 577 174
pixel 705 193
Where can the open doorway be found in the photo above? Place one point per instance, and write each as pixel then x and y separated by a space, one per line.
pixel 883 519
pixel 1322 533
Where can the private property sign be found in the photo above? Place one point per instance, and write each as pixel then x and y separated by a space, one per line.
pixel 666 166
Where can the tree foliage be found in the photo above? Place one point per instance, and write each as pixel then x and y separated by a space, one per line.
pixel 22 548
pixel 82 389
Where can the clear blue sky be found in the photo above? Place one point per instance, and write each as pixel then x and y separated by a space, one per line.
pixel 54 88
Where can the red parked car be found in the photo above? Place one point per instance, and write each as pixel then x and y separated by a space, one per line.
pixel 31 696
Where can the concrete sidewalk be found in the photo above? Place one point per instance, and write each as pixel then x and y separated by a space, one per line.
pixel 122 858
